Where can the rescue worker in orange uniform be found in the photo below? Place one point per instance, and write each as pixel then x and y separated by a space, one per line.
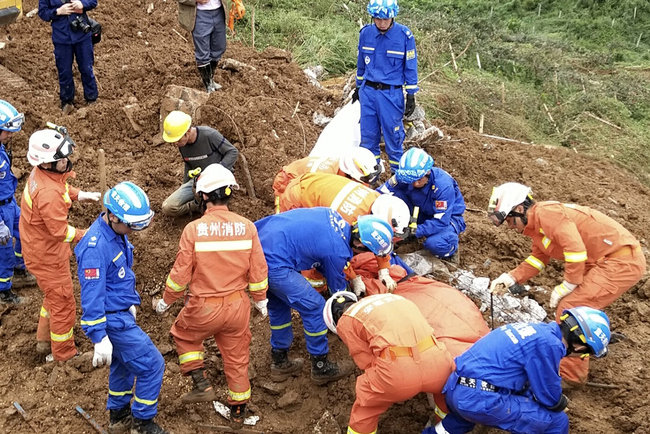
pixel 392 342
pixel 46 237
pixel 602 258
pixel 219 256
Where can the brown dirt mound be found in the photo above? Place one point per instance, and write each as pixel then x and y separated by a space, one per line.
pixel 251 110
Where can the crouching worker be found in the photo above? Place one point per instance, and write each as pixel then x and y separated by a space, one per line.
pixel 108 299
pixel 392 342
pixel 219 256
pixel 510 378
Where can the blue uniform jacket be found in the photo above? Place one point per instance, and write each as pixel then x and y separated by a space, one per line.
pixel 104 261
pixel 439 201
pixel 388 58
pixel 62 32
pixel 8 181
pixel 307 238
pixel 517 356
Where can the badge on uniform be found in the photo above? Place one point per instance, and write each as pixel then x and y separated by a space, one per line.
pixel 410 55
pixel 91 273
pixel 441 204
pixel 367 60
pixel 3 174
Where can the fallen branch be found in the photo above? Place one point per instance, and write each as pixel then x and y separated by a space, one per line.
pixel 505 139
pixel 247 175
pixel 603 120
pixel 183 37
pixel 557 130
pixel 475 209
pixel 602 385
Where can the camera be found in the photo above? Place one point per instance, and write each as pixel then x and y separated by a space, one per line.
pixel 79 24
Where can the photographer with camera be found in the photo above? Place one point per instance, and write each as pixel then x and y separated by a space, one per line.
pixel 71 36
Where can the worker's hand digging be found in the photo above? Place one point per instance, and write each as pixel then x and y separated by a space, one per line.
pixel 159 305
pixel 358 286
pixel 500 285
pixel 388 281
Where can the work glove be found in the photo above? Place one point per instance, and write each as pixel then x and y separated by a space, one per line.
pixel 562 290
pixel 159 306
pixel 103 353
pixel 355 95
pixel 385 278
pixel 5 235
pixel 132 311
pixel 261 307
pixel 410 105
pixel 89 196
pixel 501 284
pixel 358 286
pixel 239 9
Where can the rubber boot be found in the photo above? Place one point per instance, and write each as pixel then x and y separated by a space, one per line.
pixel 120 421
pixel 237 415
pixel 213 65
pixel 323 370
pixel 146 426
pixel 9 297
pixel 282 367
pixel 202 391
pixel 206 76
pixel 22 278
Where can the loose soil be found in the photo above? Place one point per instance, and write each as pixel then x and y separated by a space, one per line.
pixel 267 113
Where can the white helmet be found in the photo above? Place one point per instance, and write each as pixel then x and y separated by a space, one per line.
pixel 505 198
pixel 361 165
pixel 328 311
pixel 48 146
pixel 216 178
pixel 393 210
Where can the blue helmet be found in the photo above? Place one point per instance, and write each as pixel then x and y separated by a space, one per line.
pixel 414 164
pixel 594 328
pixel 130 204
pixel 383 9
pixel 10 119
pixel 375 234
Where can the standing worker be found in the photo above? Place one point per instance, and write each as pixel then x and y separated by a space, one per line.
pixel 437 197
pixel 602 258
pixel 12 266
pixel 199 147
pixel 217 305
pixel 72 39
pixel 46 237
pixel 108 300
pixel 386 62
pixel 299 240
pixel 393 344
pixel 509 378
pixel 206 19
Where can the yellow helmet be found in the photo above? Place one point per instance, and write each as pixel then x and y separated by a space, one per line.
pixel 175 126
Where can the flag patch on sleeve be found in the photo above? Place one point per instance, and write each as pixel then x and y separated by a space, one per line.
pixel 91 273
pixel 441 204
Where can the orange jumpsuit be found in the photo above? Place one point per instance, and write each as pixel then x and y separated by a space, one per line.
pixel 219 256
pixel 302 166
pixel 600 256
pixel 392 342
pixel 46 237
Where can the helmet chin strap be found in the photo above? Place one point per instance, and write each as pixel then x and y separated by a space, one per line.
pixel 53 165
pixel 523 217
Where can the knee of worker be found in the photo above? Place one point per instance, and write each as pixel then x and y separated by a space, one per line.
pixel 176 209
pixel 442 245
pixel 559 424
pixel 149 367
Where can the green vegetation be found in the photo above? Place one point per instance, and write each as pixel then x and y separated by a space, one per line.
pixel 580 59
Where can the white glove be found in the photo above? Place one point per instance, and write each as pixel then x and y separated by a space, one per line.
pixel 261 307
pixel 385 278
pixel 103 353
pixel 562 290
pixel 358 286
pixel 159 306
pixel 501 284
pixel 5 235
pixel 89 196
pixel 132 311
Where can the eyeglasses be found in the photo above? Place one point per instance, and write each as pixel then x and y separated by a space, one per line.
pixel 141 225
pixel 15 123
pixel 65 148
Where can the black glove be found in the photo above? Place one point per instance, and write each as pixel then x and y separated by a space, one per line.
pixel 355 95
pixel 410 105
pixel 561 405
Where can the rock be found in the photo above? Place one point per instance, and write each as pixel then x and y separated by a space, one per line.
pixel 440 270
pixel 273 388
pixel 130 111
pixel 235 65
pixel 644 290
pixel 132 100
pixel 10 410
pixel 173 368
pixel 541 162
pixel 182 98
pixel 2 45
pixel 272 53
pixel 195 417
pixel 643 309
pixel 289 400
pixel 327 425
pixel 150 8
pixel 165 348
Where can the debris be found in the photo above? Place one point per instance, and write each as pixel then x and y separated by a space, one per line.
pixel 2 45
pixel 235 65
pixel 313 76
pixel 288 400
pixel 320 119
pixel 129 111
pixel 91 421
pixel 224 411
pixel 422 263
pixel 271 82
pixel 165 348
pixel 23 413
pixel 273 388
pixel 150 8
pixel 327 425
pixel 31 13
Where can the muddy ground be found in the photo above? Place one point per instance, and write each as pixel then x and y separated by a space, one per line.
pixel 258 117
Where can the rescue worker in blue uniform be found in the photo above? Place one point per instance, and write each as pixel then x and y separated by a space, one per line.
pixel 510 380
pixel 303 239
pixel 435 194
pixel 71 41
pixel 386 62
pixel 108 299
pixel 12 267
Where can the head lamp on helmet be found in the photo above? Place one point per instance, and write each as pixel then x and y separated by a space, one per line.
pixel 130 204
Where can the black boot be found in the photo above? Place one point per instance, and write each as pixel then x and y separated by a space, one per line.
pixel 282 367
pixel 206 76
pixel 22 278
pixel 9 297
pixel 323 371
pixel 202 391
pixel 213 64
pixel 146 426
pixel 120 421
pixel 237 415
pixel 213 67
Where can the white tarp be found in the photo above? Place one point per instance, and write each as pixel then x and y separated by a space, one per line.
pixel 341 133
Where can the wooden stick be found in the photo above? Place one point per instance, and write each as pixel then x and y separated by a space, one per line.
pixel 505 139
pixel 480 124
pixel 557 130
pixel 453 58
pixel 23 413
pixel 247 175
pixel 102 174
pixel 602 385
pixel 183 37
pixel 603 120
pixel 90 420
pixel 253 26
pixel 503 93
pixel 296 109
pixel 478 60
pixel 638 41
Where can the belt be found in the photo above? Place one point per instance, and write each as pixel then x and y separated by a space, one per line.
pixel 6 201
pixel 420 347
pixel 382 86
pixel 473 383
pixel 221 300
pixel 624 251
pixel 109 312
